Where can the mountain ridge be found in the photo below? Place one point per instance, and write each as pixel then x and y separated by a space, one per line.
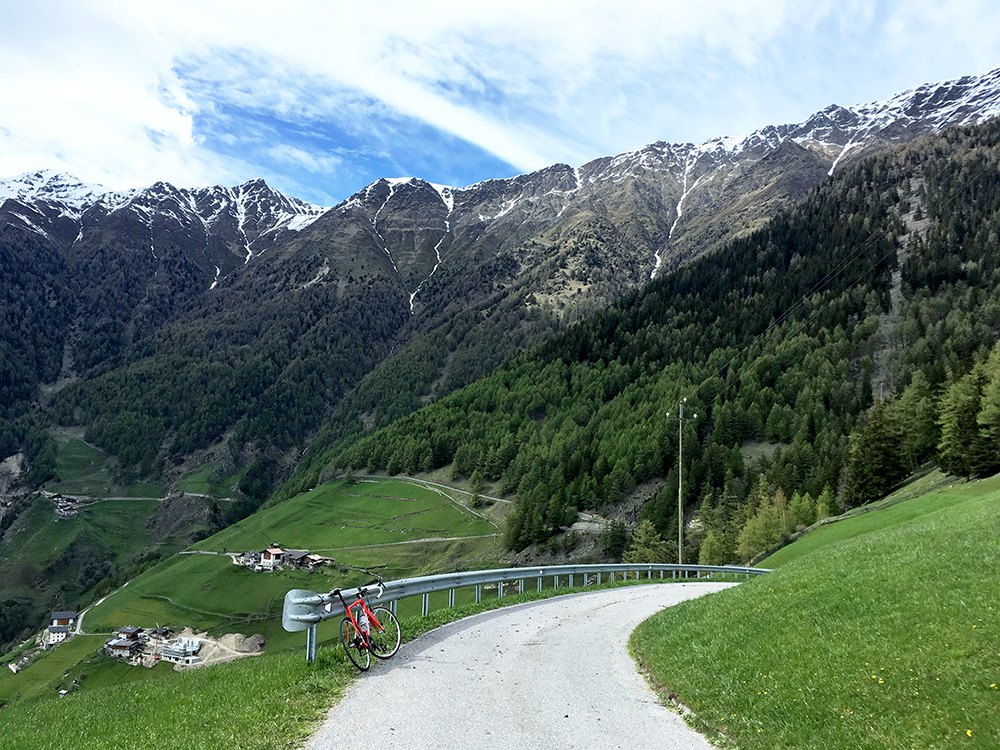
pixel 833 133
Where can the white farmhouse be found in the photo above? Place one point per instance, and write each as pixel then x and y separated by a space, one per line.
pixel 55 634
pixel 272 558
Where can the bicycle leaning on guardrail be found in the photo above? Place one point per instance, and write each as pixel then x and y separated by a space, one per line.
pixel 369 630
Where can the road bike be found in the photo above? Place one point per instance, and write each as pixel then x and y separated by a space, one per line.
pixel 365 630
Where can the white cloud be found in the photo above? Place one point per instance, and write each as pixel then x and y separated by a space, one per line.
pixel 313 162
pixel 119 92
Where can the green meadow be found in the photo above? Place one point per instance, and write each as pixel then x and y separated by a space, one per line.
pixel 114 528
pixel 390 528
pixel 878 631
pixel 82 469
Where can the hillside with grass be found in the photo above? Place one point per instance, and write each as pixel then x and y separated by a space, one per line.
pixel 877 631
pixel 104 534
pixel 389 528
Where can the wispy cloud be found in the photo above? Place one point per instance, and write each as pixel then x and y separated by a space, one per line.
pixel 328 96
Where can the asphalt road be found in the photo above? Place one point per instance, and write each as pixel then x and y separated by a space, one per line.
pixel 548 674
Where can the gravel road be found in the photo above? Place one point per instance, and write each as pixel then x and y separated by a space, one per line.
pixel 548 674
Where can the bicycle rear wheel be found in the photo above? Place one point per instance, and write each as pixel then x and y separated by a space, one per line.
pixel 386 635
pixel 353 644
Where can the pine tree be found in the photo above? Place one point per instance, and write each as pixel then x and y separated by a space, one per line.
pixel 824 503
pixel 916 408
pixel 647 546
pixel 613 540
pixel 875 464
pixel 712 551
pixel 966 449
pixel 803 510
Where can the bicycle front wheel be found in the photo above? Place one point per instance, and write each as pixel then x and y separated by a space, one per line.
pixel 386 635
pixel 354 645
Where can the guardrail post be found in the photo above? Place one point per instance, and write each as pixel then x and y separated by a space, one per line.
pixel 479 593
pixel 539 584
pixel 311 643
pixel 499 589
pixel 451 597
pixel 425 608
pixel 571 580
pixel 520 585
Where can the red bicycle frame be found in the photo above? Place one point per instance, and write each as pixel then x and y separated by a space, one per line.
pixel 359 631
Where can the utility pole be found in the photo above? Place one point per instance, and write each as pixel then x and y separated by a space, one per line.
pixel 680 475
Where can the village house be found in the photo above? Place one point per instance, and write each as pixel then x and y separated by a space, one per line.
pixel 67 618
pixel 314 561
pixel 272 558
pixel 275 558
pixel 130 633
pixel 54 635
pixel 126 649
pixel 296 557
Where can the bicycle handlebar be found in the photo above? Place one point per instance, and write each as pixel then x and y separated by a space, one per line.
pixel 377 582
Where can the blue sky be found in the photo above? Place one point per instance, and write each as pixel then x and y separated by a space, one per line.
pixel 323 98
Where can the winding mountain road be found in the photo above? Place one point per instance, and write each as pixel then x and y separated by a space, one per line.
pixel 548 674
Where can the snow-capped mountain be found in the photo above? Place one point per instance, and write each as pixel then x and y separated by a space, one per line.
pixel 247 217
pixel 679 199
pixel 672 201
pixel 58 188
pixel 576 237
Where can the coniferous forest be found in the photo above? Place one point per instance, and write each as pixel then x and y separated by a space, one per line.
pixel 827 356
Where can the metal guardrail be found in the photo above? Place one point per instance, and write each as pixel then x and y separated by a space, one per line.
pixel 303 610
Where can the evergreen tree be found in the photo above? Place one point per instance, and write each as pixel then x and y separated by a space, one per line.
pixel 824 503
pixel 966 448
pixel 712 551
pixel 647 546
pixel 989 410
pixel 916 411
pixel 875 464
pixel 614 539
pixel 803 510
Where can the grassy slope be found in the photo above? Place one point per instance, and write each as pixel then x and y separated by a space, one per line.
pixel 38 538
pixel 82 469
pixel 208 592
pixel 882 634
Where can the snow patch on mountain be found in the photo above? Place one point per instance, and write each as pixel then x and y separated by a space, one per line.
pixel 48 184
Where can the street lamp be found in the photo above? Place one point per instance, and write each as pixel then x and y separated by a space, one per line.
pixel 680 473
